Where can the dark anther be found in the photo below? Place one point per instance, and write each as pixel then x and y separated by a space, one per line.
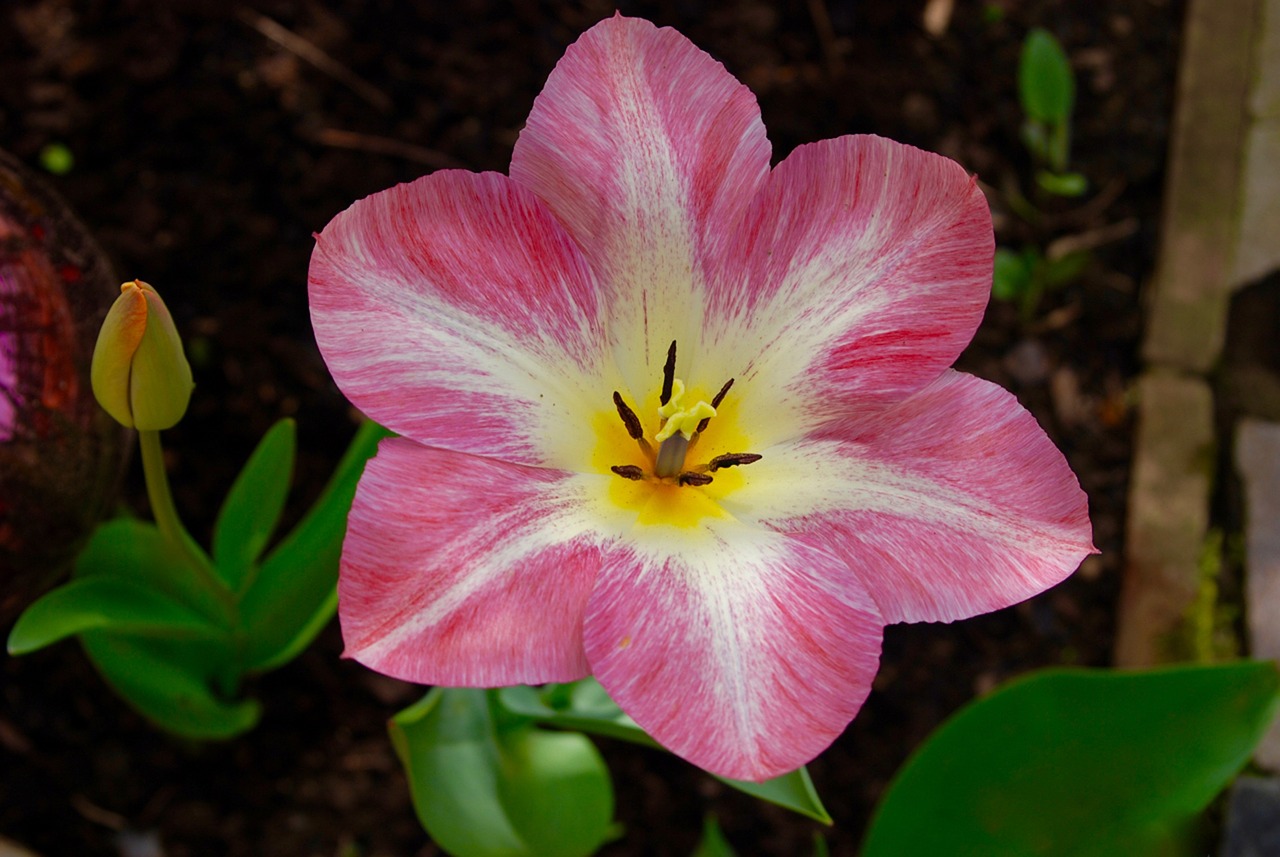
pixel 668 374
pixel 629 418
pixel 691 478
pixel 715 403
pixel 733 459
pixel 628 471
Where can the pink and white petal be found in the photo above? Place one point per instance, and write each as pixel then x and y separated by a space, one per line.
pixel 464 571
pixel 860 273
pixel 747 657
pixel 647 150
pixel 457 312
pixel 954 503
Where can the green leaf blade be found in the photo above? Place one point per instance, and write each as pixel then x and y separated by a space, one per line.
pixel 587 708
pixel 794 791
pixel 1046 86
pixel 253 506
pixel 1074 762
pixel 713 842
pixel 1011 275
pixel 1062 184
pixel 137 552
pixel 169 683
pixel 293 595
pixel 105 603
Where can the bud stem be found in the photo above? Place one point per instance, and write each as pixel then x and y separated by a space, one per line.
pixel 170 525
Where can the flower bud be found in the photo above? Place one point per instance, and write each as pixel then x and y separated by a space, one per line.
pixel 140 375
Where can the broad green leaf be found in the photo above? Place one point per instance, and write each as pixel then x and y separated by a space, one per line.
pixel 253 506
pixel 1046 85
pixel 168 682
pixel 1011 275
pixel 1078 763
pixel 713 843
pixel 292 596
pixel 556 789
pixel 585 706
pixel 1062 184
pixel 136 552
pixel 109 603
pixel 484 790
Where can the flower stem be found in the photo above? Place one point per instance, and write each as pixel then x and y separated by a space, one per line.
pixel 168 522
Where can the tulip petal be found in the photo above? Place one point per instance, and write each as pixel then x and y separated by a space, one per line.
pixel 160 385
pixel 859 275
pixel 746 656
pixel 954 503
pixel 118 340
pixel 464 571
pixel 647 150
pixel 455 311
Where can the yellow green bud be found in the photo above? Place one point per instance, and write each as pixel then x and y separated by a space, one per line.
pixel 140 375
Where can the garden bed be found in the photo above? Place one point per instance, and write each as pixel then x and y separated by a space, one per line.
pixel 207 151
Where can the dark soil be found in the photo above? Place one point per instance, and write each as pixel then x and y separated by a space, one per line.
pixel 205 157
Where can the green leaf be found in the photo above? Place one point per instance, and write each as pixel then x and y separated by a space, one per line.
pixel 91 603
pixel 713 843
pixel 1046 85
pixel 1062 184
pixel 168 682
pixel 137 552
pixel 585 706
pixel 1011 275
pixel 793 791
pixel 484 789
pixel 1065 269
pixel 1077 763
pixel 292 596
pixel 253 506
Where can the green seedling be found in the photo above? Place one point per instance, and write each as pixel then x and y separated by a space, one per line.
pixel 172 628
pixel 1047 91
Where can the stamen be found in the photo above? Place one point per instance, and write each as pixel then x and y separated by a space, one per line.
pixel 668 374
pixel 691 478
pixel 715 403
pixel 628 471
pixel 629 418
pixel 733 459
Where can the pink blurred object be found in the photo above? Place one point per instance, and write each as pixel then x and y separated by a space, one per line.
pixel 61 456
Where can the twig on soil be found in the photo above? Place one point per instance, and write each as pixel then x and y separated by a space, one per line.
pixel 307 51
pixel 1092 239
pixel 356 141
pixel 104 817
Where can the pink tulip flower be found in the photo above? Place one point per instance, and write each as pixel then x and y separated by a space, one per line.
pixel 676 419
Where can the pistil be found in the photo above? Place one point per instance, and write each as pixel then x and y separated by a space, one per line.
pixel 671 456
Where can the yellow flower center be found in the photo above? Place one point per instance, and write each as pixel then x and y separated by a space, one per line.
pixel 692 463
